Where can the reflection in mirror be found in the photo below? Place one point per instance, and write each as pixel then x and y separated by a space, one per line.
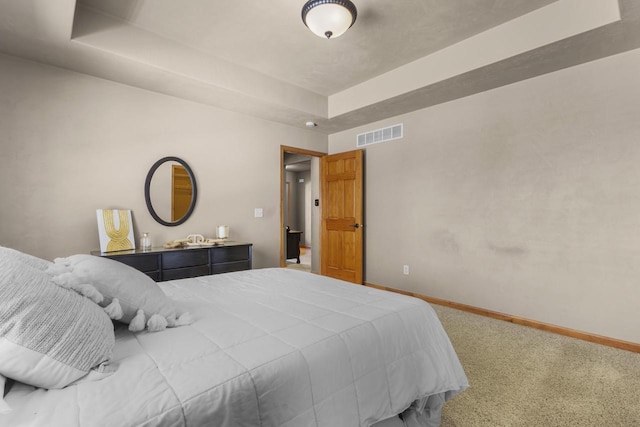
pixel 170 191
pixel 181 192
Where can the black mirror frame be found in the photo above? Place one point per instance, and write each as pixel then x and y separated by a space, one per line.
pixel 147 191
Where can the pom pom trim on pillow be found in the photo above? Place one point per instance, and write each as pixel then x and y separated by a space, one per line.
pixel 68 280
pixel 138 322
pixel 114 310
pixel 126 294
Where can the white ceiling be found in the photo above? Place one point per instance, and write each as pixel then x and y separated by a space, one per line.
pixel 257 57
pixel 269 36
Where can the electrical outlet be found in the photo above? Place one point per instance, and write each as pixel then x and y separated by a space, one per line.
pixel 405 270
pixel 258 213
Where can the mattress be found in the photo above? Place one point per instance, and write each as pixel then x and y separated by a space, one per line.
pixel 269 347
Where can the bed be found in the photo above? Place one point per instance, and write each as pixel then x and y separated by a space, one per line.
pixel 265 347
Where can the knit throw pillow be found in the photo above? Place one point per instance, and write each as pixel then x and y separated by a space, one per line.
pixel 30 260
pixel 49 336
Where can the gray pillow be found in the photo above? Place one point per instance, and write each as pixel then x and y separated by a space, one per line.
pixel 49 336
pixel 30 260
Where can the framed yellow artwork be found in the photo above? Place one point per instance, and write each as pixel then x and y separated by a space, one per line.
pixel 115 229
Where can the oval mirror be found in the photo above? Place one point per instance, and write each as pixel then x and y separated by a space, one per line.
pixel 170 191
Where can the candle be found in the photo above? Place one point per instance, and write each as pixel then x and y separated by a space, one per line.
pixel 145 242
pixel 222 232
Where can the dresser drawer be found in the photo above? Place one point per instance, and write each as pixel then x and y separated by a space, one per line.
pixel 183 273
pixel 155 275
pixel 190 258
pixel 230 254
pixel 231 266
pixel 144 263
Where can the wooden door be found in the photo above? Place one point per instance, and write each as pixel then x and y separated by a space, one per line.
pixel 181 192
pixel 341 250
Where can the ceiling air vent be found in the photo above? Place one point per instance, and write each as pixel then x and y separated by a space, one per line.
pixel 380 135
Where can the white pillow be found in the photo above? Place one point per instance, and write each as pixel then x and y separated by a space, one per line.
pixel 49 336
pixel 139 300
pixel 30 260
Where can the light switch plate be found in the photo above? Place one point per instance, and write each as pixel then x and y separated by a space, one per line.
pixel 258 213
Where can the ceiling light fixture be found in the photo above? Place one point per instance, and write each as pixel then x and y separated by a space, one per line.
pixel 329 18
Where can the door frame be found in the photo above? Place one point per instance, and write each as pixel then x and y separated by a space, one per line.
pixel 293 150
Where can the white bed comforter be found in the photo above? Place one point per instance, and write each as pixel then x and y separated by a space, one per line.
pixel 271 347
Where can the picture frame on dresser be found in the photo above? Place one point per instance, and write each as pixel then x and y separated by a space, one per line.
pixel 179 263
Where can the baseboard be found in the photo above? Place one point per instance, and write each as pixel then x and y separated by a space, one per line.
pixel 598 339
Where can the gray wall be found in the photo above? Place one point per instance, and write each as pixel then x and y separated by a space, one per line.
pixel 524 199
pixel 291 178
pixel 304 223
pixel 299 213
pixel 72 144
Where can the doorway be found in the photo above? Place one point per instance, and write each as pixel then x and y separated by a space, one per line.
pixel 299 212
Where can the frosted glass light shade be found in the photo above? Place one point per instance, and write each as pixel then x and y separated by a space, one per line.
pixel 329 18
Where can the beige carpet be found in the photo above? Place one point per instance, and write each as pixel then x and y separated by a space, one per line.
pixel 305 260
pixel 522 376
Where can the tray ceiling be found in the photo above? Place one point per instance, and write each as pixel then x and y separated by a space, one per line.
pixel 258 58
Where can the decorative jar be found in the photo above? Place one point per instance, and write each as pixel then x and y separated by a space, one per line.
pixel 145 242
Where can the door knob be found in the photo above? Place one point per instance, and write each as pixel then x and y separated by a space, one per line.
pixel 357 225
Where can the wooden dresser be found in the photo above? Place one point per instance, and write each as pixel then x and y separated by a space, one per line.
pixel 168 264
